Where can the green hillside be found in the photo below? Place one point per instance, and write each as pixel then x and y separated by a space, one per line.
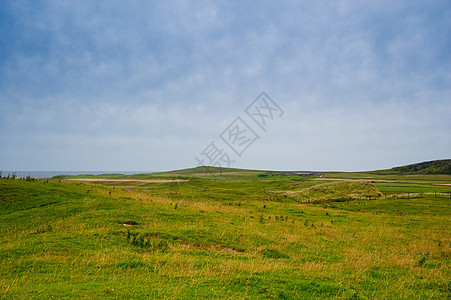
pixel 228 237
pixel 428 167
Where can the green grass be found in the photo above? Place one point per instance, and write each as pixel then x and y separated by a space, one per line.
pixel 337 191
pixel 235 235
pixel 390 187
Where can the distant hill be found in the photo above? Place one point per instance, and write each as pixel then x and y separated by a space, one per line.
pixel 201 170
pixel 428 167
pixel 439 167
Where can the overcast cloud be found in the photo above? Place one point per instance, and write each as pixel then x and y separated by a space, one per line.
pixel 147 85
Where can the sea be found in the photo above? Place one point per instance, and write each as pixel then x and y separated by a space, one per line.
pixel 50 174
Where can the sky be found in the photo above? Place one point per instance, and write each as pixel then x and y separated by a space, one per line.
pixel 164 85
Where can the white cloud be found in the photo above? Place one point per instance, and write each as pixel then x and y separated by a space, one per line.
pixel 363 84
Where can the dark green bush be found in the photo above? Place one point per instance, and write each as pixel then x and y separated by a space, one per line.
pixel 271 253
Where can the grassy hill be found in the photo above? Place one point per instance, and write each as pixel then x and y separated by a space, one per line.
pixel 427 167
pixel 437 167
pixel 337 191
pixel 233 235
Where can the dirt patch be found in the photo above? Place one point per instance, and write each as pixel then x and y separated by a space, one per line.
pixel 124 180
pixel 230 250
pixel 129 223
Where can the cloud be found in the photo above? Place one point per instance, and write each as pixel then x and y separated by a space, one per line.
pixel 364 84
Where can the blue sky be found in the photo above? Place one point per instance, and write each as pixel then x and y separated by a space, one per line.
pixel 148 85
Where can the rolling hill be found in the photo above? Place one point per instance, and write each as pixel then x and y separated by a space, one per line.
pixel 428 167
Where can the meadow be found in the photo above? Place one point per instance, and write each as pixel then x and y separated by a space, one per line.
pixel 226 234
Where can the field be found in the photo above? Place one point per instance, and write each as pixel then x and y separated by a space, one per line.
pixel 234 234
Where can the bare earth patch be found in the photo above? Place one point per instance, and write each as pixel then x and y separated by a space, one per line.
pixel 122 180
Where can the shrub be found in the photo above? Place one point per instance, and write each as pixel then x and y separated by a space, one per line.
pixel 271 253
pixel 43 229
pixel 147 242
pixel 422 260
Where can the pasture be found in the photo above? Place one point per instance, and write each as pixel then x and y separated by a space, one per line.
pixel 234 234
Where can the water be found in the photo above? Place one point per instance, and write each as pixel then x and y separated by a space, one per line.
pixel 50 174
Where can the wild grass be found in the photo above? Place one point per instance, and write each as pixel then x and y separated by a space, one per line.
pixel 336 191
pixel 236 238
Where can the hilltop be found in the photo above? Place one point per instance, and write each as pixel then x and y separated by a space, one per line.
pixel 435 167
pixel 428 167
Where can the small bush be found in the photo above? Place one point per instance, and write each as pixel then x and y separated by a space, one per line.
pixel 147 242
pixel 131 265
pixel 271 253
pixel 422 260
pixel 43 229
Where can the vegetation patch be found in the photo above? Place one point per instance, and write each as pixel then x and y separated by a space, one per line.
pixel 147 242
pixel 272 253
pixel 337 191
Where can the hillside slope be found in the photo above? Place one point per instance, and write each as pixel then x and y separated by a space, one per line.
pixel 428 167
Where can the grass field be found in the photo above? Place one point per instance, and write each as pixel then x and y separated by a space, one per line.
pixel 235 234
